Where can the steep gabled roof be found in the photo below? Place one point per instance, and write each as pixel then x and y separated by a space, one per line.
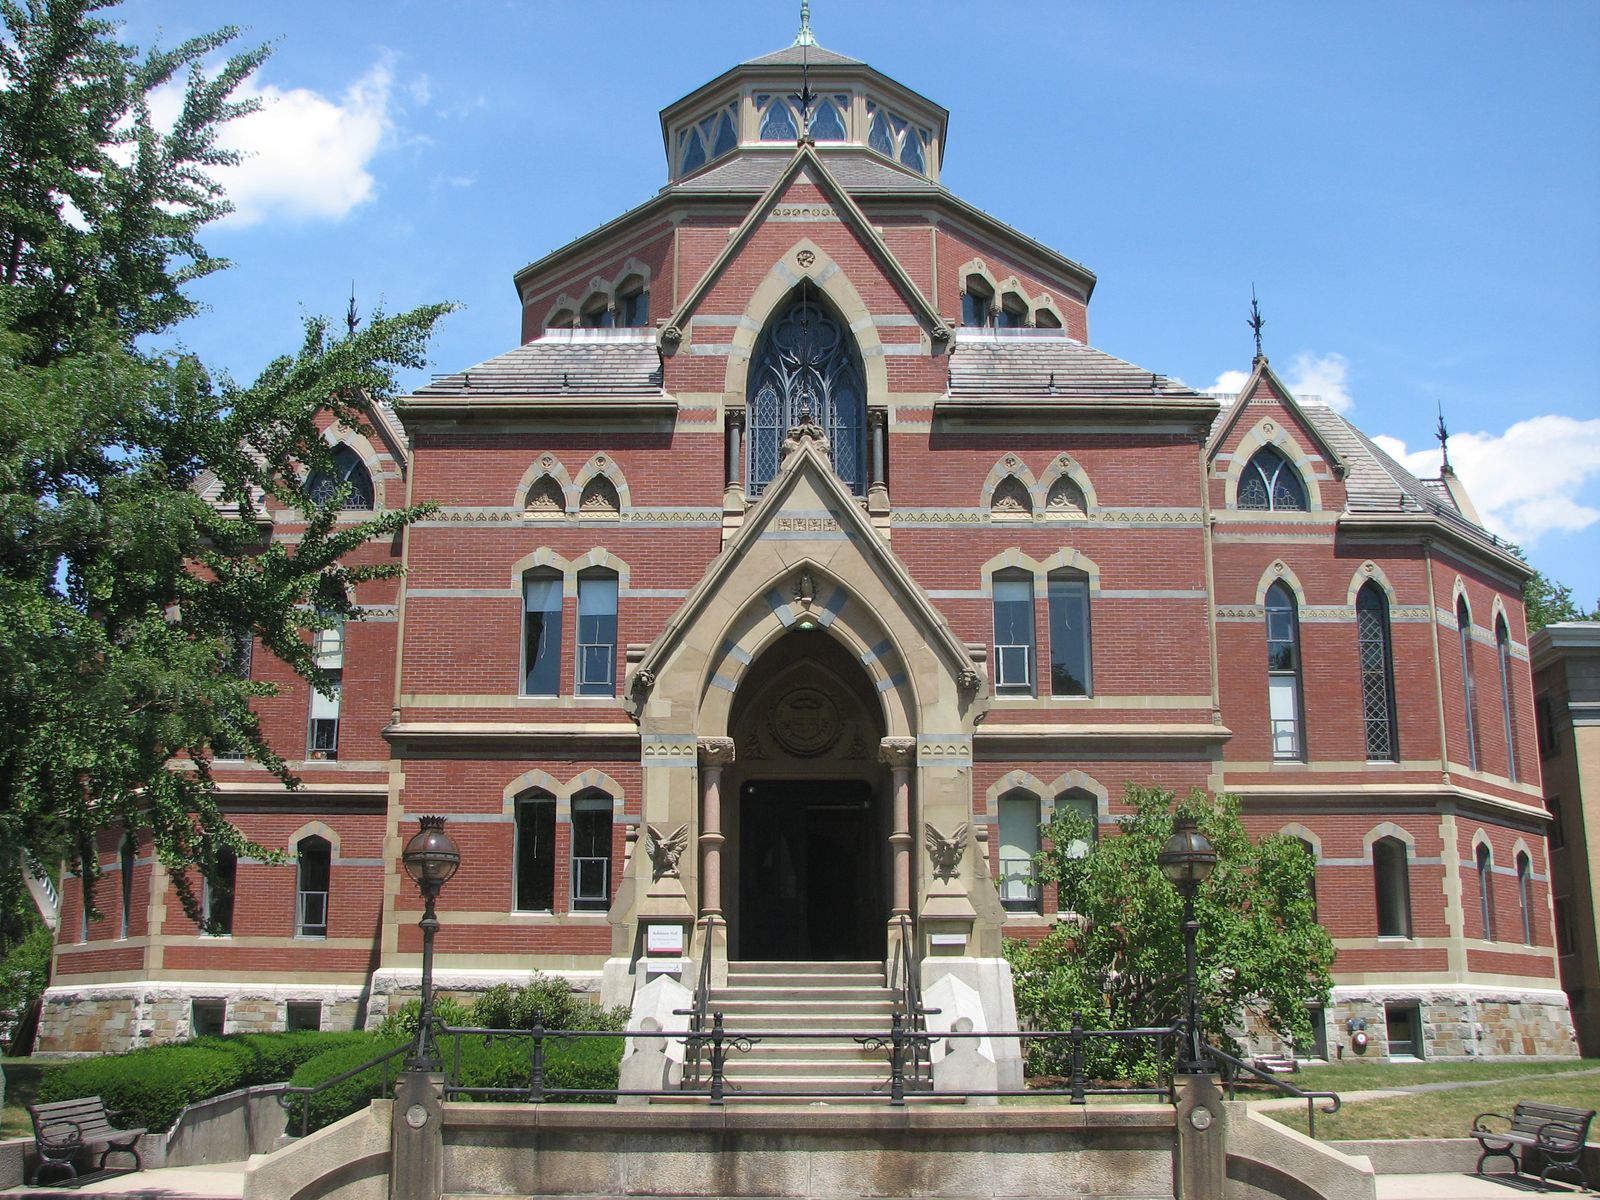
pixel 796 55
pixel 1263 373
pixel 806 159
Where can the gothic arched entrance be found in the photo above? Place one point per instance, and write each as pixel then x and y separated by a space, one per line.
pixel 806 808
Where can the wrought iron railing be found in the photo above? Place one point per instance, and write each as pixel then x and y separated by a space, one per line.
pixel 911 1004
pixel 301 1097
pixel 698 1009
pixel 1233 1066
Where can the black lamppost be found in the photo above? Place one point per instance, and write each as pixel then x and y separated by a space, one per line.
pixel 431 858
pixel 1187 860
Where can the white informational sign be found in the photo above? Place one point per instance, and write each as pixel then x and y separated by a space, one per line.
pixel 663 939
pixel 948 939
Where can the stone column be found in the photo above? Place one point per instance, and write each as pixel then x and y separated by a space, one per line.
pixel 900 753
pixel 735 436
pixel 714 753
pixel 877 457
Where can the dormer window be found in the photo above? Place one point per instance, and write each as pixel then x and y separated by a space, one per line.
pixel 1013 312
pixel 708 138
pixel 892 136
pixel 977 302
pixel 596 313
pixel 633 304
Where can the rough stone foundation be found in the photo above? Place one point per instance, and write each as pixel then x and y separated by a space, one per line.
pixel 1457 1023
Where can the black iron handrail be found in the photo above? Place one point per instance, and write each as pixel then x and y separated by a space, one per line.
pixel 916 1014
pixel 1310 1097
pixel 697 1011
pixel 714 1043
pixel 290 1096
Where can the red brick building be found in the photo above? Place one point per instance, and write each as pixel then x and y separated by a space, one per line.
pixel 804 525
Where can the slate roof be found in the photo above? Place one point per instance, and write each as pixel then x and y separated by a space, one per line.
pixel 564 362
pixel 1378 485
pixel 1010 365
pixel 794 56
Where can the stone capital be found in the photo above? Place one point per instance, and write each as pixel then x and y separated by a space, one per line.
pixel 715 751
pixel 898 751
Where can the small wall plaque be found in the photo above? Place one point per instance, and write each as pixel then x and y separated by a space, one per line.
pixel 664 939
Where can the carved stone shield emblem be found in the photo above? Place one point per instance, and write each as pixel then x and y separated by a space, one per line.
pixel 805 722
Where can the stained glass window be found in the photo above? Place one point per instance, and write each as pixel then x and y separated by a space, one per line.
pixel 879 135
pixel 826 123
pixel 1377 672
pixel 1468 690
pixel 1502 638
pixel 708 138
pixel 1270 482
pixel 778 123
pixel 347 469
pixel 807 368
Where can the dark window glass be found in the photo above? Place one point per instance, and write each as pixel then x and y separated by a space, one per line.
pixel 216 901
pixel 591 853
pixel 1311 853
pixel 208 1018
pixel 1566 939
pixel 541 633
pixel 1283 672
pixel 1270 482
pixel 633 308
pixel 597 634
pixel 303 1015
pixel 879 135
pixel 1404 1028
pixel 1377 672
pixel 1013 314
pixel 1485 860
pixel 1468 688
pixel 1013 633
pixel 347 469
pixel 976 303
pixel 726 139
pixel 1070 673
pixel 128 857
pixel 1525 897
pixel 1545 717
pixel 694 155
pixel 314 869
pixel 536 853
pixel 1392 879
pixel 1502 638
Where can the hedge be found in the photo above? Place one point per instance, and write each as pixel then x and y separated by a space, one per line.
pixel 504 1063
pixel 154 1085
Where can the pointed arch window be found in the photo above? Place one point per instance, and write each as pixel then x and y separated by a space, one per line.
pixel 348 469
pixel 1485 863
pixel 977 302
pixel 1377 673
pixel 1391 877
pixel 1013 633
pixel 1311 853
pixel 1468 688
pixel 1271 483
pixel 1283 673
pixel 807 370
pixel 1525 896
pixel 1502 641
pixel 313 874
pixel 1070 671
pixel 216 896
pixel 597 633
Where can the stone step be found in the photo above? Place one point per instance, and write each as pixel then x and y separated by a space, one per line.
pixel 796 968
pixel 745 1004
pixel 776 1068
pixel 831 992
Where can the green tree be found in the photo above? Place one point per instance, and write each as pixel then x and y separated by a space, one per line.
pixel 1116 956
pixel 1547 602
pixel 136 487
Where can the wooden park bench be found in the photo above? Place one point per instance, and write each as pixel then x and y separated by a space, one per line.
pixel 1557 1133
pixel 63 1128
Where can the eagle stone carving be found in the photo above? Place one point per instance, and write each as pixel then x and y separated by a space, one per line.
pixel 665 852
pixel 946 852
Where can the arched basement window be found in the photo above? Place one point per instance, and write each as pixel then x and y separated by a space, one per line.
pixel 1377 672
pixel 807 369
pixel 1270 482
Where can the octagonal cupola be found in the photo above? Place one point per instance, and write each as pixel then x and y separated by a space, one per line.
pixel 770 103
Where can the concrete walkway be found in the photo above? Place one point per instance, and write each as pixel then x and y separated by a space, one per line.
pixel 216 1181
pixel 1467 1187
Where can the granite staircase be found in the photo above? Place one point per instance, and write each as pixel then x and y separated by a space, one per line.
pixel 780 1001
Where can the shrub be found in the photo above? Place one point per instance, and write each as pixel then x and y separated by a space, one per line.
pixel 154 1085
pixel 547 998
pixel 274 1057
pixel 402 1022
pixel 352 1094
pixel 508 1063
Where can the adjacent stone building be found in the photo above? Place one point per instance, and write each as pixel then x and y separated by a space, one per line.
pixel 800 561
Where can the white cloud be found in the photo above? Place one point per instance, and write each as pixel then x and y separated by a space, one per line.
pixel 1320 375
pixel 1230 383
pixel 1524 481
pixel 305 156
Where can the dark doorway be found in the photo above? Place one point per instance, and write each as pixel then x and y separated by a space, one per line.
pixel 809 878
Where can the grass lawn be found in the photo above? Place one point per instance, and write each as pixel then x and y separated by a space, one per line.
pixel 1365 1076
pixel 1446 1113
pixel 22 1083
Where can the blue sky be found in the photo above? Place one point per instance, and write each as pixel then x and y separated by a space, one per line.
pixel 1413 189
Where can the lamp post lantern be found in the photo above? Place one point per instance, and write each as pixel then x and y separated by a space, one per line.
pixel 431 858
pixel 1187 861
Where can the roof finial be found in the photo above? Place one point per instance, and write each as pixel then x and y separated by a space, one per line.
pixel 1256 322
pixel 1443 435
pixel 351 317
pixel 805 37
